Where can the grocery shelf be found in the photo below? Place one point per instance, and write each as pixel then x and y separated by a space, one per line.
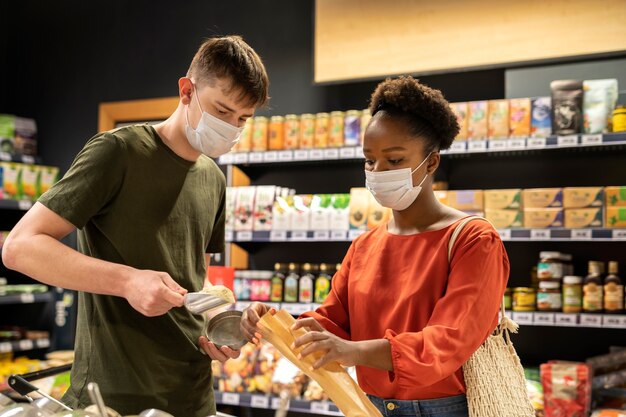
pixel 536 318
pixel 24 345
pixel 294 309
pixel 24 159
pixel 15 205
pixel 458 148
pixel 266 402
pixel 45 297
pixel 511 235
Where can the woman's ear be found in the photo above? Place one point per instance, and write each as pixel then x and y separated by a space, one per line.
pixel 433 162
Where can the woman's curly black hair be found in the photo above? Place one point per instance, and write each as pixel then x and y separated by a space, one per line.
pixel 425 111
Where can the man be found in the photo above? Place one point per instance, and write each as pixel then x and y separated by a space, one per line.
pixel 148 203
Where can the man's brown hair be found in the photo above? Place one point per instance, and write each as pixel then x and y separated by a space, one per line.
pixel 231 59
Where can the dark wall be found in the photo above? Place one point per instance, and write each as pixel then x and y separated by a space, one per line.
pixel 65 60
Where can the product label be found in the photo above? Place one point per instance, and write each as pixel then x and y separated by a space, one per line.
pixel 291 290
pixel 549 270
pixel 523 301
pixel 322 288
pixel 549 301
pixel 306 289
pixel 277 290
pixel 592 297
pixel 572 296
pixel 613 297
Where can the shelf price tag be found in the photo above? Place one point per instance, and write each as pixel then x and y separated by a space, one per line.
pixel 564 319
pixel 316 154
pixel 347 153
pixel 27 298
pixel 498 144
pixel 273 305
pixel 226 159
pixel 619 234
pixel 270 156
pixel 244 236
pixel 228 236
pixel 518 143
pixel 459 147
pixel 523 317
pixel 569 140
pixel 24 204
pixel 591 320
pixel 536 143
pixel 299 235
pixel 285 156
pixel 256 157
pixel 5 347
pixel 321 235
pixel 301 155
pixel 614 321
pixel 276 403
pixel 25 344
pixel 477 145
pixel 338 235
pixel 230 398
pixel 540 234
pixel 278 236
pixel 353 234
pixel 241 158
pixel 544 319
pixel 42 343
pixel 331 154
pixel 591 140
pixel 320 407
pixel 505 234
pixel 581 234
pixel 4 156
pixel 259 401
pixel 28 159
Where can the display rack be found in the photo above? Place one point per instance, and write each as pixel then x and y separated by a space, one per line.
pixel 24 159
pixel 45 297
pixel 24 345
pixel 267 402
pixel 23 205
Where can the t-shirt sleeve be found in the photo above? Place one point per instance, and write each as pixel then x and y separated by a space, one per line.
pixel 462 319
pixel 333 314
pixel 91 182
pixel 216 243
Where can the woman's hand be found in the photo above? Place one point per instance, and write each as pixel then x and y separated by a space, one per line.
pixel 333 348
pixel 250 319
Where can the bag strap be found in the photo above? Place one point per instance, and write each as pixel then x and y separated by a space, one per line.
pixel 505 325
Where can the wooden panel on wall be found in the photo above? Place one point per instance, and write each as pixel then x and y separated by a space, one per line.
pixel 110 114
pixel 360 39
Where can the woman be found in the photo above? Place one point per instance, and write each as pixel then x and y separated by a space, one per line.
pixel 398 310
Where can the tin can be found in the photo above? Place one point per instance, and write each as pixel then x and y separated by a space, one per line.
pixel 366 116
pixel 292 131
pixel 307 131
pixel 260 134
pixel 352 128
pixel 335 134
pixel 524 299
pixel 277 133
pixel 245 139
pixel 619 119
pixel 321 130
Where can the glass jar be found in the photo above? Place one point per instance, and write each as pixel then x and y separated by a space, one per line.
pixel 572 294
pixel 508 299
pixel 549 296
pixel 553 265
pixel 524 299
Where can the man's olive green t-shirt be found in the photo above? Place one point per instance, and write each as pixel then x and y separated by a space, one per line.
pixel 137 203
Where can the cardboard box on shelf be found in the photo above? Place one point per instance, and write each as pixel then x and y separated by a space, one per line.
pixel 320 212
pixel 477 123
pixel 466 200
pixel 583 197
pixel 49 176
pixel 12 180
pixel 244 209
pixel 461 111
pixel 543 217
pixel 231 200
pixel 542 198
pixel 377 214
pixel 31 179
pixel 541 117
pixel 263 205
pixel 281 212
pixel 519 122
pixel 505 219
pixel 301 214
pixel 507 199
pixel 340 212
pixel 615 217
pixel 498 123
pixel 615 196
pixel 359 208
pixel 583 218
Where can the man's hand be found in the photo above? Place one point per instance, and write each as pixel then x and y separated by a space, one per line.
pixel 222 354
pixel 153 293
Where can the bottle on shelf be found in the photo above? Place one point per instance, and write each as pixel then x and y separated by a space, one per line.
pixel 322 283
pixel 592 289
pixel 305 291
pixel 278 283
pixel 613 290
pixel 572 294
pixel 291 284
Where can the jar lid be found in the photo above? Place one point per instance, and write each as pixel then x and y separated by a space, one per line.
pixel 274 118
pixel 322 114
pixel 550 285
pixel 566 257
pixel 523 289
pixel 336 113
pixel 572 279
pixel 550 255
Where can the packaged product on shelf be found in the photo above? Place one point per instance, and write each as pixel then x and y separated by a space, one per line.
pixel 335 137
pixel 377 214
pixel 264 367
pixel 242 285
pixel 307 131
pixel 615 217
pixel 553 265
pixel 519 117
pixel 12 178
pixel 263 205
pixel 48 177
pixel 477 126
pixel 549 296
pixel 321 211
pixel 31 178
pixel 583 197
pixel 613 291
pixel 282 212
pixel 599 99
pixel 619 118
pixel 366 116
pixel 260 285
pixel 359 208
pixel 314 392
pixel 505 219
pixel 301 214
pixel 610 380
pixel 277 133
pixel 583 218
pixel 278 283
pixel 466 200
pixel 609 362
pixel 567 105
pixel 25 140
pixel 461 111
pixel 244 209
pixel 236 375
pixel 509 199
pixel 542 198
pixel 615 196
pixel 524 299
pixel 340 212
pixel 567 389
pixel 543 217
pixel 541 117
pixel 572 294
pixel 7 133
pixel 287 377
pixel 498 119
pixel 306 284
pixel 245 139
pixel 291 290
pixel 260 134
pixel 352 128
pixel 592 289
pixel 292 132
pixel 322 123
pixel 229 213
pixel 322 283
